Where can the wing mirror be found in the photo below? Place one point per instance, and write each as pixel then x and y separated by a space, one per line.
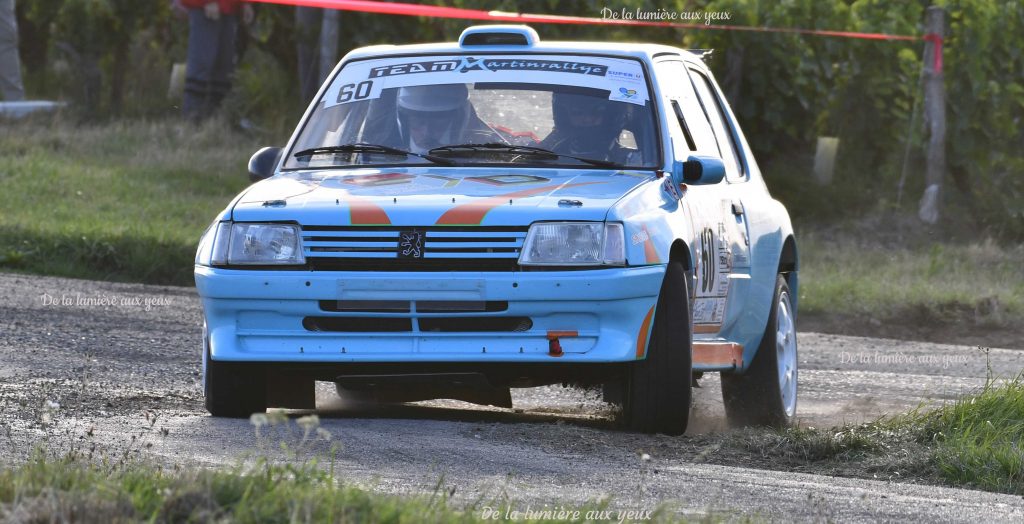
pixel 262 164
pixel 698 170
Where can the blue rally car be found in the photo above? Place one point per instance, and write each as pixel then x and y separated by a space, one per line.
pixel 454 220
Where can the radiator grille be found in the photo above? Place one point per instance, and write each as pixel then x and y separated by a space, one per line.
pixel 381 248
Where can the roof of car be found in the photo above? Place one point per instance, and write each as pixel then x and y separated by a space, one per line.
pixel 634 50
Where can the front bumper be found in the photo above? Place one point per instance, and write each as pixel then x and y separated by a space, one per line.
pixel 598 315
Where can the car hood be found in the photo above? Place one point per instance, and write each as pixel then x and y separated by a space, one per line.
pixel 436 196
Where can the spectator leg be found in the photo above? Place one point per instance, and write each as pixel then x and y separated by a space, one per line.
pixel 224 66
pixel 203 39
pixel 10 65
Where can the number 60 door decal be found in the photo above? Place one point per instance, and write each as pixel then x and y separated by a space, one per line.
pixel 713 269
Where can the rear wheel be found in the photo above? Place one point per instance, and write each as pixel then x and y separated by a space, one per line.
pixel 766 394
pixel 657 389
pixel 232 389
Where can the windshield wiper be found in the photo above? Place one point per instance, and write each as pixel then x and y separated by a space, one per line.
pixel 513 149
pixel 361 147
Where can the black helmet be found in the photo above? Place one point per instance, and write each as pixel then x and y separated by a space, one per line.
pixel 587 125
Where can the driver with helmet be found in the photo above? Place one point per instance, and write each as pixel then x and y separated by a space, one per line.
pixel 588 127
pixel 438 115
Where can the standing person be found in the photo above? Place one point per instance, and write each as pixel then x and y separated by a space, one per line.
pixel 212 29
pixel 10 65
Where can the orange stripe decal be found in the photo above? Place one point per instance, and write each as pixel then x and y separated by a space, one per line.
pixel 641 338
pixel 707 328
pixel 718 354
pixel 472 214
pixel 650 252
pixel 366 213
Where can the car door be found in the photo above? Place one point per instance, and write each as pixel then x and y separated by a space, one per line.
pixel 692 133
pixel 732 239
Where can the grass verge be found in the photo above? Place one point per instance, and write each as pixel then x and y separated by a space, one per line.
pixel 125 201
pixel 974 442
pixel 905 285
pixel 983 281
pixel 46 490
pixel 978 441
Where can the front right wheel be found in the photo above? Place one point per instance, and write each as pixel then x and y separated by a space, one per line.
pixel 766 394
pixel 232 389
pixel 656 397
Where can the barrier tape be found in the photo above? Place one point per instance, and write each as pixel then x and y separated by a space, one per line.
pixel 936 40
pixel 404 9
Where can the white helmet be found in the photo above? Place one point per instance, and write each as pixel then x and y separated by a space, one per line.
pixel 434 98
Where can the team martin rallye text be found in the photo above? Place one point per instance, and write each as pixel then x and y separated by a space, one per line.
pixel 453 220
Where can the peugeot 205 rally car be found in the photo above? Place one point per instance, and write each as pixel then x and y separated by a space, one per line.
pixel 453 220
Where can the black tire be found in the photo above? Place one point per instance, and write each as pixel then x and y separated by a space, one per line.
pixel 233 389
pixel 755 398
pixel 657 389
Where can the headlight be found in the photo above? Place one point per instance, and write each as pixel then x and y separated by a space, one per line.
pixel 243 244
pixel 264 244
pixel 574 244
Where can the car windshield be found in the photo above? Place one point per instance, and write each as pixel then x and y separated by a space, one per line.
pixel 530 110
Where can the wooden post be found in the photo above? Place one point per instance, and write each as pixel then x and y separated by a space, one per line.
pixel 307 50
pixel 934 114
pixel 329 43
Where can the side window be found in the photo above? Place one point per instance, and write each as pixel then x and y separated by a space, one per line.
pixel 682 102
pixel 713 110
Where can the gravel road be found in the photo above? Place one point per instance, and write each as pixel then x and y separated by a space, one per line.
pixel 122 362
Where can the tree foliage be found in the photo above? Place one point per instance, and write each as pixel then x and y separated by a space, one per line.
pixel 984 64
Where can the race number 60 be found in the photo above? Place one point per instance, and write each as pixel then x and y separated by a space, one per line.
pixel 358 91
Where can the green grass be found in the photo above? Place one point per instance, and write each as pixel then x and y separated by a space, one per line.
pixel 48 490
pixel 981 281
pixel 125 201
pixel 974 442
pixel 979 439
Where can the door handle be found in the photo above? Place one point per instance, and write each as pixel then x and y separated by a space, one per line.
pixel 737 208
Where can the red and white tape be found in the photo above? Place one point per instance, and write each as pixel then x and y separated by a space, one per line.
pixel 406 9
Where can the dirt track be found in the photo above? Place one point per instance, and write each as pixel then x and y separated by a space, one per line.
pixel 113 368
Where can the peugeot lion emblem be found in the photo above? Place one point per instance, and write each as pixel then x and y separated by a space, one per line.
pixel 410 244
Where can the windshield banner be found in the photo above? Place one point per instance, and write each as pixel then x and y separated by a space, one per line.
pixel 364 80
